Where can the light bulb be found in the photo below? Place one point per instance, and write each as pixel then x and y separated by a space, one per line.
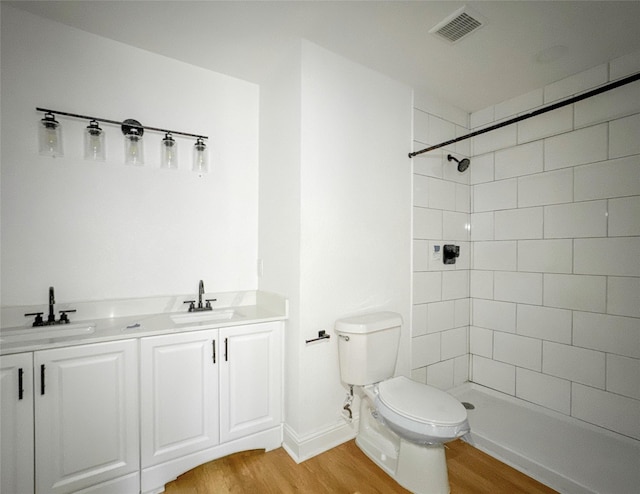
pixel 200 157
pixel 94 148
pixel 50 136
pixel 169 152
pixel 133 146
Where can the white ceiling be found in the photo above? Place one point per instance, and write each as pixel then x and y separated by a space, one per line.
pixel 499 61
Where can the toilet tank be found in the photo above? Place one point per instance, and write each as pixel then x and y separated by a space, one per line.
pixel 368 347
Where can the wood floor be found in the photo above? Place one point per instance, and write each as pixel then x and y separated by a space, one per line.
pixel 345 469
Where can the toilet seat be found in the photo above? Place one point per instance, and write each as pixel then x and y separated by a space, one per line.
pixel 419 412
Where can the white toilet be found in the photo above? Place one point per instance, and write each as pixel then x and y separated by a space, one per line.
pixel 403 424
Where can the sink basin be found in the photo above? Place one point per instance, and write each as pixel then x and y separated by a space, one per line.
pixel 205 316
pixel 46 332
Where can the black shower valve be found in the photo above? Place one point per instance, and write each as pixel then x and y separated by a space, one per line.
pixel 449 253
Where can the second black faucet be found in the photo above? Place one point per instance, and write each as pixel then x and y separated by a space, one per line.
pixel 200 307
pixel 51 318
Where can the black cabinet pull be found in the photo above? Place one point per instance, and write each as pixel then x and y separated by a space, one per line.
pixel 42 379
pixel 213 343
pixel 226 350
pixel 20 388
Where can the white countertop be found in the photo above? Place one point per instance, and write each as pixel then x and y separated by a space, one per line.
pixel 121 321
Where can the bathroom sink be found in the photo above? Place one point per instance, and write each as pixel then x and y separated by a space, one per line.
pixel 205 316
pixel 46 332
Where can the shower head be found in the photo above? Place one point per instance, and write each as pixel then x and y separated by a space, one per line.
pixel 463 164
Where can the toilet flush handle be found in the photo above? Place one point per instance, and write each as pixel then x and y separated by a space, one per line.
pixel 344 337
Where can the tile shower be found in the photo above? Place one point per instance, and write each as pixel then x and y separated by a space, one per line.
pixel 544 301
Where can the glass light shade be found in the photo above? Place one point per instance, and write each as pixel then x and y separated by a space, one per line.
pixel 133 148
pixel 94 148
pixel 50 136
pixel 169 152
pixel 200 158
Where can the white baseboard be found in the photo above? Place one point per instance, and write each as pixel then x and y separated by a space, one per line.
pixel 301 448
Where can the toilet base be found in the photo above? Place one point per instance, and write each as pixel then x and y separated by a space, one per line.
pixel 422 469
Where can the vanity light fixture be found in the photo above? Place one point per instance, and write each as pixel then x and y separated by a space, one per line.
pixel 94 148
pixel 169 152
pixel 200 158
pixel 50 140
pixel 50 136
pixel 133 148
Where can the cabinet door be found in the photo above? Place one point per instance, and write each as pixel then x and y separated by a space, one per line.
pixel 16 423
pixel 250 379
pixel 86 415
pixel 179 395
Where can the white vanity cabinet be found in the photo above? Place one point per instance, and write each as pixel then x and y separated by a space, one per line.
pixel 86 418
pixel 16 423
pixel 206 394
pixel 178 395
pixel 128 416
pixel 250 379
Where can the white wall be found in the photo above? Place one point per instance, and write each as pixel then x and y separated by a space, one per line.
pixel 350 194
pixel 279 225
pixel 555 230
pixel 107 230
pixel 355 241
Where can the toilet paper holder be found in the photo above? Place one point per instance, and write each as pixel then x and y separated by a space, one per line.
pixel 322 335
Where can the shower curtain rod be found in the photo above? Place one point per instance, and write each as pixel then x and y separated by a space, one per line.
pixel 555 106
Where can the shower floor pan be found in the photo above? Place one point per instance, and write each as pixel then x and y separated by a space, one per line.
pixel 563 453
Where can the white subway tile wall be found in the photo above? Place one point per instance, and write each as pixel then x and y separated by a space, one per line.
pixel 491 196
pixel 518 104
pixel 494 374
pixel 578 219
pixel 582 146
pixel 520 160
pixel 624 137
pixel 576 83
pixel 605 409
pixel 441 215
pixel 547 124
pixel 545 390
pixel 622 296
pixel 607 180
pixel 520 351
pixel 516 224
pixel 555 241
pixel 608 106
pixel 545 188
pixel 483 168
pixel 545 256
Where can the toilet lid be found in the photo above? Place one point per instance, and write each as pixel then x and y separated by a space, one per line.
pixel 420 402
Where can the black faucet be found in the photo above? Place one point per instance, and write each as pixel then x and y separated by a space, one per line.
pixel 52 300
pixel 200 307
pixel 200 294
pixel 51 318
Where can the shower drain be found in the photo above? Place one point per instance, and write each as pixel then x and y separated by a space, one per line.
pixel 468 406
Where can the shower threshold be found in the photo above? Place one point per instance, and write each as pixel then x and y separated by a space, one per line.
pixel 563 453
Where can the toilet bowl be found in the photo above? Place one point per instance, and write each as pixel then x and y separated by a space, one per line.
pixel 403 424
pixel 403 427
pixel 420 413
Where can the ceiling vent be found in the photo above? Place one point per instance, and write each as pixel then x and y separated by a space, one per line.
pixel 458 25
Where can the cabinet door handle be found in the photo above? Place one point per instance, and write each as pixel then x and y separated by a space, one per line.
pixel 226 350
pixel 42 379
pixel 20 388
pixel 213 343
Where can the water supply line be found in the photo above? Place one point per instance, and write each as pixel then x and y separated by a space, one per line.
pixel 347 414
pixel 540 111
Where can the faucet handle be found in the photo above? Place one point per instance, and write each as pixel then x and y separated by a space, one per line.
pixel 38 321
pixel 64 319
pixel 209 300
pixel 191 303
